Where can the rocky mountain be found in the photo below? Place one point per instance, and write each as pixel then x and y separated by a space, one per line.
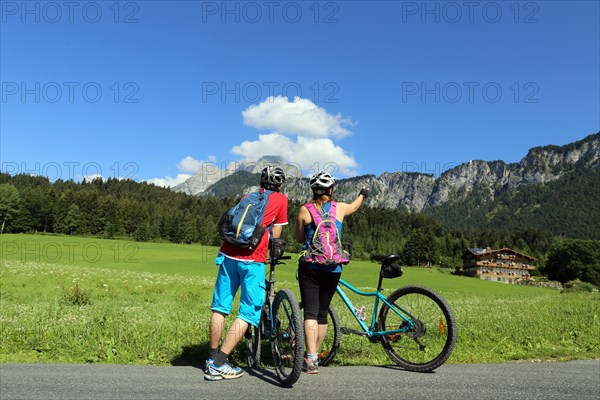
pixel 540 165
pixel 416 191
pixel 210 173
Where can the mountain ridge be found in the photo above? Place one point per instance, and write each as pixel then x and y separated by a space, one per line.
pixel 415 191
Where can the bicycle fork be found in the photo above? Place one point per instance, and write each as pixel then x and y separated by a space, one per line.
pixel 272 324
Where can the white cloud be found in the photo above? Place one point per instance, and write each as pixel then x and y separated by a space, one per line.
pixel 169 181
pixel 312 154
pixel 191 165
pixel 299 117
pixel 302 133
pixel 267 144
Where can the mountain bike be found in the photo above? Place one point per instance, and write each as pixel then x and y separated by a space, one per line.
pixel 281 323
pixel 414 324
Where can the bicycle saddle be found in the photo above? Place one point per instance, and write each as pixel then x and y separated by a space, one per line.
pixel 385 259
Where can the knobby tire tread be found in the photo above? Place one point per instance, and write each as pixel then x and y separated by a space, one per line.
pixel 334 324
pixel 443 356
pixel 297 321
pixel 253 344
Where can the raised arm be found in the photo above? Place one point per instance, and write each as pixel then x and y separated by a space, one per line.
pixel 347 209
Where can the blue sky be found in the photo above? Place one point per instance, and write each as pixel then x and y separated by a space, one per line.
pixel 150 90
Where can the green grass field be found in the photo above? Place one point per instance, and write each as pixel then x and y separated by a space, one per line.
pixel 73 299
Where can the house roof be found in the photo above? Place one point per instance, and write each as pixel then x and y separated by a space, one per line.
pixel 478 252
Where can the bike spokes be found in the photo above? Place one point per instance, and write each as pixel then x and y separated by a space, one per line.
pixel 427 329
pixel 284 337
pixel 332 340
pixel 287 338
pixel 253 345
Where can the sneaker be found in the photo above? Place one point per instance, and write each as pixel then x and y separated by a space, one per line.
pixel 310 367
pixel 208 362
pixel 225 371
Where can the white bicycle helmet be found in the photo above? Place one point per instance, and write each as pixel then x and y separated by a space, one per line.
pixel 322 180
pixel 272 176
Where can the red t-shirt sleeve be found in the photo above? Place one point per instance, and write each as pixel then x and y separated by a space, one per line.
pixel 281 218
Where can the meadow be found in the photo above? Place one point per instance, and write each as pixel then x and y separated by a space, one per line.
pixel 89 300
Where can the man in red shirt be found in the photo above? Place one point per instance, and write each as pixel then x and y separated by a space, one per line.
pixel 243 268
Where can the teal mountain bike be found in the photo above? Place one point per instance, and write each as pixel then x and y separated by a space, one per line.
pixel 281 323
pixel 414 324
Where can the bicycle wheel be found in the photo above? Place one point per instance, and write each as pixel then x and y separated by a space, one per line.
pixel 253 344
pixel 287 340
pixel 332 340
pixel 430 342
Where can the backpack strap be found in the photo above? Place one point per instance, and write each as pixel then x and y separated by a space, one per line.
pixel 266 194
pixel 315 214
pixel 332 210
pixel 317 219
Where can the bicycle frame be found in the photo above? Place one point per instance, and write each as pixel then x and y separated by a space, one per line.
pixel 281 324
pixel 270 296
pixel 399 322
pixel 371 330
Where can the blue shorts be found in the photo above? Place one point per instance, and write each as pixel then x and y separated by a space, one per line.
pixel 233 274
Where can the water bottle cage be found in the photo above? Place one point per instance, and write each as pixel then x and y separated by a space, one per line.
pixel 360 313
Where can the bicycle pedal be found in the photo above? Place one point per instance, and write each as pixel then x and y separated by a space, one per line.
pixel 350 331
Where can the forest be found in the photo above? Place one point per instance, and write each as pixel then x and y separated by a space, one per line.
pixel 140 211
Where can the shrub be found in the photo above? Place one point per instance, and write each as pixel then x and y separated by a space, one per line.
pixel 76 296
pixel 578 286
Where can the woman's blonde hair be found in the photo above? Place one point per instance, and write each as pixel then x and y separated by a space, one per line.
pixel 319 199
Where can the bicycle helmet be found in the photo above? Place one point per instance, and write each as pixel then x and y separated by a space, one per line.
pixel 322 180
pixel 272 177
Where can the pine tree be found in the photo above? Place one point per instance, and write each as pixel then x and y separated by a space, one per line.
pixel 73 221
pixel 10 201
pixel 189 231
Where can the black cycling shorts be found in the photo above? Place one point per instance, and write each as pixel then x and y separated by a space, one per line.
pixel 317 288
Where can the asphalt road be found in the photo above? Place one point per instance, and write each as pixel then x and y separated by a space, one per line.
pixel 526 380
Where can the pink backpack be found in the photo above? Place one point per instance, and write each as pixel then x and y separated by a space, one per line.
pixel 325 247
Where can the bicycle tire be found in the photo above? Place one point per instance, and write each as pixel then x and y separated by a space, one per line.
pixel 287 340
pixel 253 344
pixel 431 342
pixel 332 340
